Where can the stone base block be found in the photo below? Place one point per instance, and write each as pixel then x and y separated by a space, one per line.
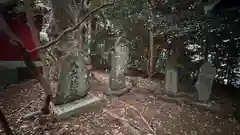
pixel 119 92
pixel 90 103
pixel 8 76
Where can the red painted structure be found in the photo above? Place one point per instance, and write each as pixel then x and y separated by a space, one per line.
pixel 9 52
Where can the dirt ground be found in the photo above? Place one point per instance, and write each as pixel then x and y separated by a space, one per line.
pixel 138 112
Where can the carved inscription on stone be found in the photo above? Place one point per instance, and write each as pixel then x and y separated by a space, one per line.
pixel 73 80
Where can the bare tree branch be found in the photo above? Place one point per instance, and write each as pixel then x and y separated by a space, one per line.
pixel 70 29
pixel 143 118
pixel 134 129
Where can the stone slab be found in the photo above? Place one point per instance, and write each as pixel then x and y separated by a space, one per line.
pixel 90 103
pixel 8 76
pixel 204 82
pixel 16 64
pixel 171 81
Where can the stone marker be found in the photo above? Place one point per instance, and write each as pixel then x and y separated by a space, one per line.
pixel 205 80
pixel 72 93
pixel 119 62
pixel 73 80
pixel 73 88
pixel 174 63
pixel 75 108
pixel 171 79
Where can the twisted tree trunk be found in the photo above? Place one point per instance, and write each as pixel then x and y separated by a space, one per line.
pixel 72 51
pixel 35 37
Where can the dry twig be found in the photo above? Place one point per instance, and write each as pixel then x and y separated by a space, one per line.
pixel 133 128
pixel 31 115
pixel 70 29
pixel 143 118
pixel 17 110
pixel 182 99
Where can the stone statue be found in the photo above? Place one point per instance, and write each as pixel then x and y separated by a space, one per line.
pixel 119 62
pixel 204 82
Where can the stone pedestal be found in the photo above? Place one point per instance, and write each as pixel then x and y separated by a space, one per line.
pixel 117 80
pixel 73 82
pixel 73 95
pixel 88 104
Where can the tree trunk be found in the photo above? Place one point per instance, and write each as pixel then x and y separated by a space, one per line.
pixel 72 51
pixel 151 58
pixel 206 47
pixel 35 37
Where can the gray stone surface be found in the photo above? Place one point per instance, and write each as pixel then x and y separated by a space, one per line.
pixel 171 80
pixel 73 81
pixel 8 76
pixel 88 104
pixel 117 80
pixel 16 64
pixel 205 80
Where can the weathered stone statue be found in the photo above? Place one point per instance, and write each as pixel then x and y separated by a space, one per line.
pixel 174 63
pixel 73 80
pixel 171 77
pixel 119 62
pixel 204 82
pixel 72 91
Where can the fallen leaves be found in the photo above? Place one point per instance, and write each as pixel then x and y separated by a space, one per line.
pixel 142 117
pixel 133 128
pixel 144 113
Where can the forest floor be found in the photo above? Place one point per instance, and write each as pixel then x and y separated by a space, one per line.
pixel 137 112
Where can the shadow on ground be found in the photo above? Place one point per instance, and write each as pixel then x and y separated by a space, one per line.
pixel 143 112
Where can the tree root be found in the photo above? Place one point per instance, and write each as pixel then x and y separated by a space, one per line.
pixel 32 115
pixel 44 111
pixel 180 101
pixel 181 94
pixel 184 98
pixel 169 94
pixel 142 117
pixel 17 110
pixel 118 92
pixel 133 128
